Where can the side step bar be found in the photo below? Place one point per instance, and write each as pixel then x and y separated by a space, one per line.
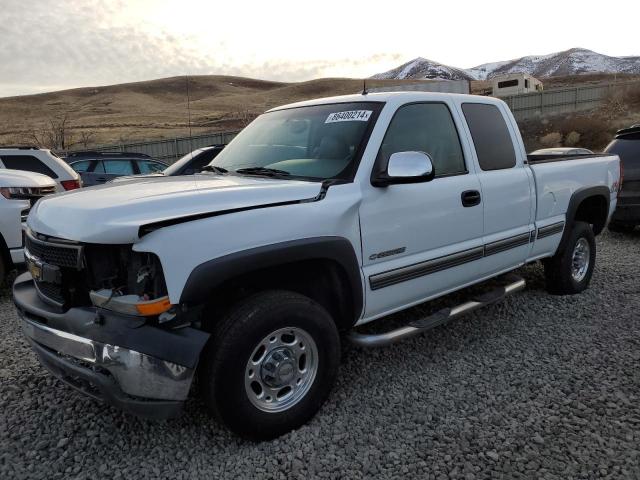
pixel 514 284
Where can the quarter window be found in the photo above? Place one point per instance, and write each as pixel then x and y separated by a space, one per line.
pixel 145 166
pixel 28 163
pixel 425 127
pixel 491 137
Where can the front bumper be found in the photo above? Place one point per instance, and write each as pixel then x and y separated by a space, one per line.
pixel 17 255
pixel 139 368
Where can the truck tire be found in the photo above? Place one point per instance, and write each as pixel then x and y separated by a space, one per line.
pixel 270 364
pixel 569 271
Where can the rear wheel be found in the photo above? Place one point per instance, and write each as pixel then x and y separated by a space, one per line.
pixel 271 364
pixel 569 271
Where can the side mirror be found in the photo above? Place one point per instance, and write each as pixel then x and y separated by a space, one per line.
pixel 406 167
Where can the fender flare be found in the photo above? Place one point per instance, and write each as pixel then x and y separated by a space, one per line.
pixel 212 273
pixel 576 199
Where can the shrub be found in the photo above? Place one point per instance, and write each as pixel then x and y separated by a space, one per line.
pixel 552 139
pixel 572 139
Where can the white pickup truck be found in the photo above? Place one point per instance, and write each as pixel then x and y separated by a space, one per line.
pixel 319 217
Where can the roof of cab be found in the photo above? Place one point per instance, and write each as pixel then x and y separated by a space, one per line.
pixel 392 97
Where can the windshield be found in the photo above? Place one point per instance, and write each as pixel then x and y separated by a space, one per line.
pixel 318 142
pixel 178 164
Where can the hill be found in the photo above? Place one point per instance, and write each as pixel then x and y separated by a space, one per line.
pixel 575 61
pixel 155 109
pixel 421 68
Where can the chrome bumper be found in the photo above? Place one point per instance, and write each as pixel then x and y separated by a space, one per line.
pixel 136 374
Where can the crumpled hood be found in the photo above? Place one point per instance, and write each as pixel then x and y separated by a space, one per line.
pixel 113 213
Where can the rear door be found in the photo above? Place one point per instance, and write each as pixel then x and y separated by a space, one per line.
pixel 507 187
pixel 421 240
pixel 108 169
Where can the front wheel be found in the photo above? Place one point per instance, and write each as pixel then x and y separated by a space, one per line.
pixel 569 271
pixel 270 364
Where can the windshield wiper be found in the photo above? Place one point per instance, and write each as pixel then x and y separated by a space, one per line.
pixel 214 168
pixel 264 171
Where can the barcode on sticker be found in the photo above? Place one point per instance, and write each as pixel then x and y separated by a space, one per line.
pixel 349 116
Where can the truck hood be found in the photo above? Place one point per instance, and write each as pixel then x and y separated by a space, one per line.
pixel 113 213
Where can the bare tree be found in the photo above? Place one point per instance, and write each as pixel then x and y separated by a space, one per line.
pixel 87 137
pixel 245 116
pixel 56 133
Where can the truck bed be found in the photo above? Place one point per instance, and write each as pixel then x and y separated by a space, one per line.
pixel 548 158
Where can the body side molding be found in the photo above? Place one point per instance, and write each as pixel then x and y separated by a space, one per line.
pixel 410 272
pixel 549 230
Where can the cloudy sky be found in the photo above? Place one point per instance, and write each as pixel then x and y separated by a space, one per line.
pixel 55 44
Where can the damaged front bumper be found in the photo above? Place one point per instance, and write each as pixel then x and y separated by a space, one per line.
pixel 140 368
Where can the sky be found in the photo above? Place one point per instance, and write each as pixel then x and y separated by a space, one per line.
pixel 50 45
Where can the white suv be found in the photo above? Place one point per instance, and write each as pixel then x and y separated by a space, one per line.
pixel 19 191
pixel 42 161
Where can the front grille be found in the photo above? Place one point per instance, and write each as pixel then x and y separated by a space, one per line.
pixel 51 291
pixel 54 254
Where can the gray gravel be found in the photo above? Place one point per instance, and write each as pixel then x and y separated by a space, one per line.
pixel 535 387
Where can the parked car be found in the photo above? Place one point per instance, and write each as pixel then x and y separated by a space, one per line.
pixel 626 145
pixel 40 160
pixel 317 218
pixel 189 164
pixel 19 191
pixel 562 151
pixel 96 168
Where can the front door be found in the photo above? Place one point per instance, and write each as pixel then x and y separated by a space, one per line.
pixel 421 240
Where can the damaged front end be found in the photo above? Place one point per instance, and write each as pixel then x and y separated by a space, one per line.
pixel 99 318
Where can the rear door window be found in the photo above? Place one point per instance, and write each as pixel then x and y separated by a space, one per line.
pixel 81 166
pixel 491 137
pixel 28 163
pixel 117 167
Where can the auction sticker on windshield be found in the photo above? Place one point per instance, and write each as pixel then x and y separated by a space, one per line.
pixel 349 116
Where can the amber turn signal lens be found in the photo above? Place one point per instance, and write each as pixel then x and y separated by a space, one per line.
pixel 154 307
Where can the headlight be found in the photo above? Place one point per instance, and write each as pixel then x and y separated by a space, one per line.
pixel 129 304
pixel 22 193
pixel 126 281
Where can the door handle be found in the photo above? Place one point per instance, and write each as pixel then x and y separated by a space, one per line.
pixel 470 198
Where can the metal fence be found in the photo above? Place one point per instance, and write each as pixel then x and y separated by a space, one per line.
pixel 171 149
pixel 562 100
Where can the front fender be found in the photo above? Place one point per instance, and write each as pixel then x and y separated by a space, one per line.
pixel 213 273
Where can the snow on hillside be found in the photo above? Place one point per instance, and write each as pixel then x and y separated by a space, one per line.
pixel 569 62
pixel 420 68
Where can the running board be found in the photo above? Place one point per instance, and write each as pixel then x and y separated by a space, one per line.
pixel 514 284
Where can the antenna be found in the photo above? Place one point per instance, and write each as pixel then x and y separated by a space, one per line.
pixel 364 86
pixel 188 114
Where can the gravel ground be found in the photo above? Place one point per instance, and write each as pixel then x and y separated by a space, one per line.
pixel 534 387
